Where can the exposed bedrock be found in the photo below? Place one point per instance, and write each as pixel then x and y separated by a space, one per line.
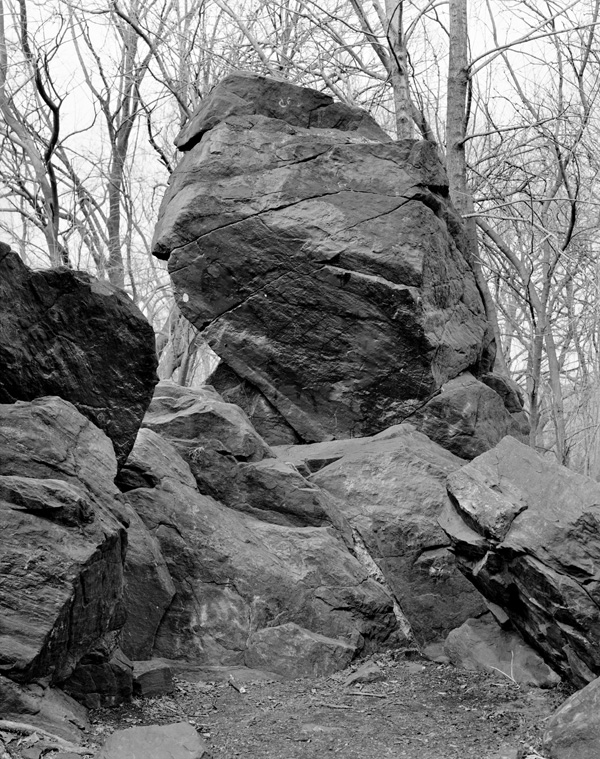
pixel 64 333
pixel 526 532
pixel 321 260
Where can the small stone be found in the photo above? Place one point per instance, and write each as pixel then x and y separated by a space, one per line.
pixel 152 678
pixel 368 673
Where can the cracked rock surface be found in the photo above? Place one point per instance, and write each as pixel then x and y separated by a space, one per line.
pixel 525 532
pixel 64 333
pixel 321 260
pixel 391 488
pixel 265 576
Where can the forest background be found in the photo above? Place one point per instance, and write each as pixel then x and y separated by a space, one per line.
pixel 92 95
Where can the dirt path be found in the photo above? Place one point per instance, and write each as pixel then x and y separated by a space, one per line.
pixel 419 710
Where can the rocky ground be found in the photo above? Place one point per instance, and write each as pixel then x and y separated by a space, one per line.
pixel 416 709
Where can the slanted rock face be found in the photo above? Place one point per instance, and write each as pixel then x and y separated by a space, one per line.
pixel 391 488
pixel 61 562
pixel 235 575
pixel 320 259
pixel 469 417
pixel 526 532
pixel 64 333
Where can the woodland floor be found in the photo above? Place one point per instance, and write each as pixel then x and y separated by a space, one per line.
pixel 419 710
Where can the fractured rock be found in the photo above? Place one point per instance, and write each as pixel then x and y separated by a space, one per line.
pixel 231 462
pixel 526 532
pixel 43 707
pixel 235 574
pixel 311 252
pixel 64 333
pixel 391 488
pixel 62 554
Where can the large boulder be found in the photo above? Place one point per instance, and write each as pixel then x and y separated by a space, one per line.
pixel 236 575
pixel 61 563
pixel 64 333
pixel 391 488
pixel 230 461
pixel 311 251
pixel 573 731
pixel 468 417
pixel 526 532
pixel 481 644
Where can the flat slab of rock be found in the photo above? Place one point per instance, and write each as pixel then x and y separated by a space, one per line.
pixel 176 741
pixel 321 260
pixel 573 731
pixel 293 651
pixel 526 532
pixel 64 333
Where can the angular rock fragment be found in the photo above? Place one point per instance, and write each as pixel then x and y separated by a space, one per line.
pixel 391 488
pixel 526 532
pixel 321 261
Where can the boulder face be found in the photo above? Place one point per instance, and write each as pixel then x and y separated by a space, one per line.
pixel 62 553
pixel 245 586
pixel 526 532
pixel 64 333
pixel 468 417
pixel 321 261
pixel 391 489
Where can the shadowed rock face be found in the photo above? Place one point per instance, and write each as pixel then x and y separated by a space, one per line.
pixel 61 560
pixel 526 532
pixel 64 333
pixel 320 259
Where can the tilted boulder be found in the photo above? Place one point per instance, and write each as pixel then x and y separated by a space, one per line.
pixel 321 260
pixel 526 532
pixel 61 563
pixel 469 417
pixel 64 333
pixel 236 575
pixel 230 461
pixel 391 488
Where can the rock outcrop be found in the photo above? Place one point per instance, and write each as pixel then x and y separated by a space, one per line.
pixel 244 584
pixel 526 532
pixel 62 549
pixel 391 488
pixel 320 259
pixel 64 333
